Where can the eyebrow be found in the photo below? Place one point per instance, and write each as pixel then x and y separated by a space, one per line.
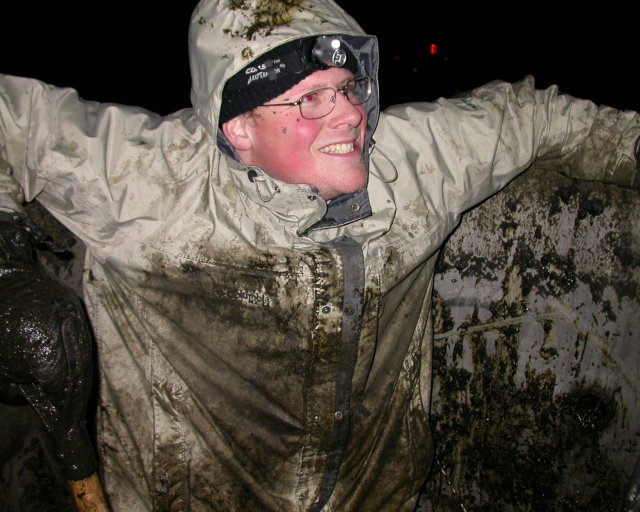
pixel 297 95
pixel 314 87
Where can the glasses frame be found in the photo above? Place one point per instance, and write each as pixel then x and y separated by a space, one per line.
pixel 342 90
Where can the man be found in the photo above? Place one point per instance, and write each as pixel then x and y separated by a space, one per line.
pixel 259 269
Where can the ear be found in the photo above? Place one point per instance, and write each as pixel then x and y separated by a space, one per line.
pixel 237 132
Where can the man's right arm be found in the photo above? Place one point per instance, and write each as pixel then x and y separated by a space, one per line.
pixel 22 102
pixel 13 141
pixel 85 162
pixel 32 126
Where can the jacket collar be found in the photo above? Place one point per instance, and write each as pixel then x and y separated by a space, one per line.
pixel 344 210
pixel 298 204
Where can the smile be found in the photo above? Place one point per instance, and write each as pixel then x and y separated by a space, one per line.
pixel 338 149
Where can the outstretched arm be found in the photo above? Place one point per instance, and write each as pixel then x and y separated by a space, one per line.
pixel 467 148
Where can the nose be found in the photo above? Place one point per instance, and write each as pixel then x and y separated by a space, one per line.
pixel 346 112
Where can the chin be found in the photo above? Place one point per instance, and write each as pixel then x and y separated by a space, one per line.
pixel 361 182
pixel 344 190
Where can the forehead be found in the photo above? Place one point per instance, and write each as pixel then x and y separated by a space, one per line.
pixel 332 77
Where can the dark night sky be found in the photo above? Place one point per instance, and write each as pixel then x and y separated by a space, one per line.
pixel 135 52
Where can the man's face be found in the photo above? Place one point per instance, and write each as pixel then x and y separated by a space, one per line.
pixel 325 153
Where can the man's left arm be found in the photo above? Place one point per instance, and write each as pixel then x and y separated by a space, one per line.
pixel 609 153
pixel 457 152
pixel 577 137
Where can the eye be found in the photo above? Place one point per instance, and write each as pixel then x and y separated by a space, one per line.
pixel 310 97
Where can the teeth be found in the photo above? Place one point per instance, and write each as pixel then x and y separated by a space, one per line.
pixel 339 149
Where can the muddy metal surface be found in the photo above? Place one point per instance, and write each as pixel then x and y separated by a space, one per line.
pixel 537 351
pixel 537 357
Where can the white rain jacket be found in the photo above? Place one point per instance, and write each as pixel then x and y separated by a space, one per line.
pixel 260 350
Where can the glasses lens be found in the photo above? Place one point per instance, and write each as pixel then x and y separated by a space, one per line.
pixel 317 103
pixel 320 102
pixel 358 90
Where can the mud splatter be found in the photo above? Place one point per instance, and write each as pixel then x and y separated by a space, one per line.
pixel 517 431
pixel 265 16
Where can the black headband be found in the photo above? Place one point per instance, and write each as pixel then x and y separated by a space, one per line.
pixel 280 69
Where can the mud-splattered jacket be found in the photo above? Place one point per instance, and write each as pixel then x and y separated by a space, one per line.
pixel 261 350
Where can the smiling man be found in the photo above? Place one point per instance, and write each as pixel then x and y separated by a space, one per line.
pixel 317 139
pixel 259 268
pixel 305 120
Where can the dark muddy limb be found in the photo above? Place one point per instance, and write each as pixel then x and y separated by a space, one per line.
pixel 46 356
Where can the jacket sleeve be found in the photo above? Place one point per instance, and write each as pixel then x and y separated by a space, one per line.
pixel 464 149
pixel 574 136
pixel 12 150
pixel 74 155
pixel 31 123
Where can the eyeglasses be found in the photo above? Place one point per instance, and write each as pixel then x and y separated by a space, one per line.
pixel 321 102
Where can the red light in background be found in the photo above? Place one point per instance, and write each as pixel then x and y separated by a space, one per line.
pixel 433 49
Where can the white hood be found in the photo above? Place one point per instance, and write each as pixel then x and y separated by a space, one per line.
pixel 225 35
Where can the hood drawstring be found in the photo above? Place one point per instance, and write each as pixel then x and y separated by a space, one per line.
pixel 264 188
pixel 389 177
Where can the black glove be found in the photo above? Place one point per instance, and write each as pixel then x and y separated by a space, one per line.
pixel 45 346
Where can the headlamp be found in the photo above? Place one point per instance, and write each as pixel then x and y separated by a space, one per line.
pixel 326 53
